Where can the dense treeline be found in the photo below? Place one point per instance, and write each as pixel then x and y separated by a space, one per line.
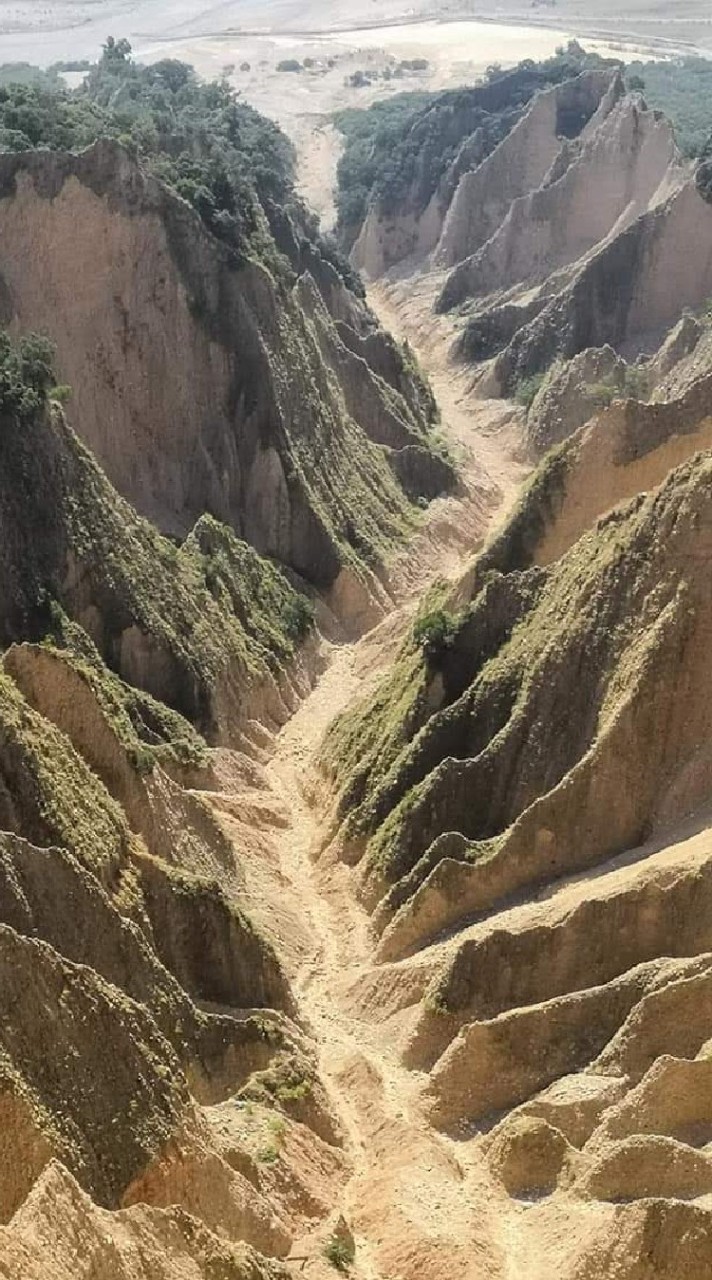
pixel 682 88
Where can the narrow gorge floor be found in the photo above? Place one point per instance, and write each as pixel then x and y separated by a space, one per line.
pixel 558 1119
pixel 404 1196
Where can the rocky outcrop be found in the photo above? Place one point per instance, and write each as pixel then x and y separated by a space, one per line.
pixel 429 197
pixel 527 798
pixel 530 1156
pixel 210 627
pixel 624 450
pixel 146 989
pixel 197 380
pixel 135 991
pixel 572 393
pixel 631 163
pixel 523 161
pixel 622 295
pixel 677 346
pixel 564 241
pixel 60 1229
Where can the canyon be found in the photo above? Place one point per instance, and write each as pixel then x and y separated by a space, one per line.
pixel 356 761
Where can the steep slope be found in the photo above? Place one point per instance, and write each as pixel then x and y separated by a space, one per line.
pixel 621 296
pixel 525 160
pixel 441 1004
pixel 566 238
pixel 626 156
pixel 204 627
pixel 417 171
pixel 235 402
pixel 136 993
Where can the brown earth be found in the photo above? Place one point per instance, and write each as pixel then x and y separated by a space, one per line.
pixel 515 1081
pixel 498 1140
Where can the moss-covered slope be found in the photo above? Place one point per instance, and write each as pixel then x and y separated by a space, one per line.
pixel 199 626
pixel 129 971
pixel 527 739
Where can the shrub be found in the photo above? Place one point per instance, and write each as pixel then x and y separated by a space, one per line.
pixel 61 393
pixel 340 1253
pixel 26 374
pixel 434 633
pixel 682 88
pixel 633 384
pixel 527 389
pixel 406 146
pixel 289 64
pixel 602 393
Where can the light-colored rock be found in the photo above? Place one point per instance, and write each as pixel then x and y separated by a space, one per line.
pixel 529 1156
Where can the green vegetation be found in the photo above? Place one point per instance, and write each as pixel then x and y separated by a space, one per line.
pixel 403 148
pixel 361 746
pixel 26 73
pixel 435 999
pixel 527 389
pixel 43 77
pixel 370 137
pixel 682 88
pixel 26 374
pixel 392 71
pixel 703 313
pixel 632 385
pixel 434 632
pixel 340 1253
pixel 236 169
pixel 150 731
pixel 512 548
pixel 214 150
pixel 289 64
pixel 269 1151
pixel 49 795
pixel 210 609
pixel 275 616
pixel 285 1083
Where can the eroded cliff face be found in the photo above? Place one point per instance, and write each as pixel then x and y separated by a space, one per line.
pixel 628 294
pixel 137 995
pixel 465 964
pixel 531 156
pixel 628 160
pixel 570 237
pixel 526 798
pixel 489 145
pixel 198 380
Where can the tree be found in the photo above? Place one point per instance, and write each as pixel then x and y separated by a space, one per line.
pixel 116 50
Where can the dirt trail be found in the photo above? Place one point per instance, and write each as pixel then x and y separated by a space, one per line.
pixel 405 1200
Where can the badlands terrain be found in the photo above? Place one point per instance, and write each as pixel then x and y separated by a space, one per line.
pixel 355 731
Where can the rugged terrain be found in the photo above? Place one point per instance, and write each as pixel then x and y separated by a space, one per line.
pixel 354 794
